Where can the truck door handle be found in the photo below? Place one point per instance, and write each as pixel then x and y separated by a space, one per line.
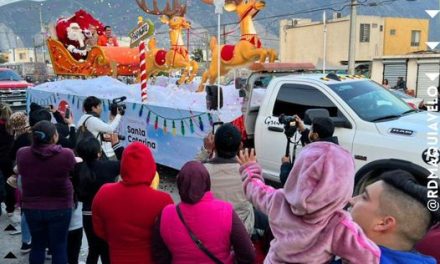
pixel 276 129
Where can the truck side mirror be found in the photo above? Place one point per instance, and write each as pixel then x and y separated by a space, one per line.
pixel 212 97
pixel 341 122
pixel 239 83
pixel 311 114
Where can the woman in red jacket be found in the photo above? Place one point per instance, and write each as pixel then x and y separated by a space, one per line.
pixel 123 213
pixel 211 221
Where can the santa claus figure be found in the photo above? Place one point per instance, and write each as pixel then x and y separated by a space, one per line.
pixel 75 41
pixel 71 32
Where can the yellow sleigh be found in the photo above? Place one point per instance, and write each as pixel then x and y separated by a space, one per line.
pixel 114 61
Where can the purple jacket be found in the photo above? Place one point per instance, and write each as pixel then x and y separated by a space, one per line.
pixel 307 217
pixel 45 173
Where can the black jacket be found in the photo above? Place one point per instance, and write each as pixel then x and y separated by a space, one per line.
pixel 6 142
pixel 105 171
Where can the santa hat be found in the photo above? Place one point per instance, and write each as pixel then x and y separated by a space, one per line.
pixel 137 165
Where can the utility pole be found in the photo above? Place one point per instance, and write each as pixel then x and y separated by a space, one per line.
pixel 35 49
pixel 224 34
pixel 42 31
pixel 207 48
pixel 352 45
pixel 324 56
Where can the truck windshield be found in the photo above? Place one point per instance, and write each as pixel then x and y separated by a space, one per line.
pixel 8 75
pixel 370 101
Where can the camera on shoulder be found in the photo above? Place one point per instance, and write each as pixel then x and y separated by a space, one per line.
pixel 118 105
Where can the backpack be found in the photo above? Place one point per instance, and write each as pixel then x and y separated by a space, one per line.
pixel 83 132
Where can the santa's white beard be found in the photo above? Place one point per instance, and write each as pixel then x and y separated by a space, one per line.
pixel 76 36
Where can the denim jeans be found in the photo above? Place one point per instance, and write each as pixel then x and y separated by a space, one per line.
pixel 48 227
pixel 25 232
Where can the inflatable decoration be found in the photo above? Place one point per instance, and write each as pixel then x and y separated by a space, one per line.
pixel 160 60
pixel 246 51
pixel 71 57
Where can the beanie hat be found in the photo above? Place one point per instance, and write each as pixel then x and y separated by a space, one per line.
pixel 34 107
pixel 227 141
pixel 324 126
pixel 19 123
pixel 39 115
pixel 137 165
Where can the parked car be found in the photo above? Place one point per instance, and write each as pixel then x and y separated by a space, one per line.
pixel 414 102
pixel 13 89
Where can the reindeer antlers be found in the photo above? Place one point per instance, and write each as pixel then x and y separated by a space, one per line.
pixel 177 9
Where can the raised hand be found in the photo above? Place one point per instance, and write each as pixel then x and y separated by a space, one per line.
pixel 246 156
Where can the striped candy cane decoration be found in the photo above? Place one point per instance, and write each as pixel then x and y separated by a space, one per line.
pixel 143 72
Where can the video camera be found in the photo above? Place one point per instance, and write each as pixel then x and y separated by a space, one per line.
pixel 289 123
pixel 118 105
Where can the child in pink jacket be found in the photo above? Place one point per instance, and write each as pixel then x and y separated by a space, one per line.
pixel 307 217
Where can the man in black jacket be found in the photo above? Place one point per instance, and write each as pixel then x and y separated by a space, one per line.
pixel 322 129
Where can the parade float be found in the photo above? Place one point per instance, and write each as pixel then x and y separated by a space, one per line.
pixel 174 118
pixel 71 57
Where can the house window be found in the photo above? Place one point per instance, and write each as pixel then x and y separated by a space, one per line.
pixel 415 38
pixel 392 32
pixel 381 28
pixel 365 33
pixel 22 56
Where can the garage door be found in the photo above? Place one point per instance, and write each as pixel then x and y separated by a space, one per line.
pixel 392 71
pixel 423 81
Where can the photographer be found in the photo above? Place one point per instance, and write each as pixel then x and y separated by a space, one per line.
pixel 322 129
pixel 92 122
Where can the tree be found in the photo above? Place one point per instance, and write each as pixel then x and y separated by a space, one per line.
pixel 197 55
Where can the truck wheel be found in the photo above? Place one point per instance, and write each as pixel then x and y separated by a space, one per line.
pixel 371 172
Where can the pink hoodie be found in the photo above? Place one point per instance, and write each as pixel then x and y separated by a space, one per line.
pixel 307 217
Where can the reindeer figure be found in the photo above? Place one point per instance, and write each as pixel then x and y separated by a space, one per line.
pixel 177 57
pixel 246 51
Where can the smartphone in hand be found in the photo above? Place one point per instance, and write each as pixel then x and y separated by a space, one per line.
pixel 67 113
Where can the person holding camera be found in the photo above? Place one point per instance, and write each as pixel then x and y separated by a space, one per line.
pixel 322 129
pixel 92 122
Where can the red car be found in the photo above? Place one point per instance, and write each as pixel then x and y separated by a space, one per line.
pixel 13 89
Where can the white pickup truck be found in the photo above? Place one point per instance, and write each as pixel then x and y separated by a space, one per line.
pixel 381 131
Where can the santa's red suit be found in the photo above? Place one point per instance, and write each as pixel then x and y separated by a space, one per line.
pixel 75 45
pixel 75 42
